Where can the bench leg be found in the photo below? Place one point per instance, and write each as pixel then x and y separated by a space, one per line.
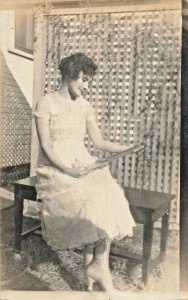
pixel 164 235
pixel 147 245
pixel 18 206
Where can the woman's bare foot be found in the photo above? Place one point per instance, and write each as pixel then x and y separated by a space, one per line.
pixel 102 276
pixel 89 282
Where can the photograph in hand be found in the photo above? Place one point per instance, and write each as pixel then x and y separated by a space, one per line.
pixel 100 163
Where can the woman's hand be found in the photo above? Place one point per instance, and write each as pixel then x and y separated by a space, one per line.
pixel 138 147
pixel 76 172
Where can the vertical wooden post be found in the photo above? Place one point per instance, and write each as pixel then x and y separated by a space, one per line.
pixel 147 245
pixel 37 83
pixel 184 158
pixel 164 235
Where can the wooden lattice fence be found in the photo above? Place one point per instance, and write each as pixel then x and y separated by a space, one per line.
pixel 136 92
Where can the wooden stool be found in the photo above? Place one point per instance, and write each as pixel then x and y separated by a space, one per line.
pixel 146 207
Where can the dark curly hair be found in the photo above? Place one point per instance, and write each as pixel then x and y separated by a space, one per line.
pixel 72 65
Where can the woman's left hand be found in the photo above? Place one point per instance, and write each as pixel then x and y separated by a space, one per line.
pixel 82 169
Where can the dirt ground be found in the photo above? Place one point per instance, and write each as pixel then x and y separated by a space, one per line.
pixel 43 269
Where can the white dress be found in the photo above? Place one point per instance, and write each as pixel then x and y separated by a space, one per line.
pixel 76 211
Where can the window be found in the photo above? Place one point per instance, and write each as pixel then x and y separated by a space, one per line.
pixel 24 29
pixel 21 32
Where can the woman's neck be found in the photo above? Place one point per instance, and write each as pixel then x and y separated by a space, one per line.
pixel 65 93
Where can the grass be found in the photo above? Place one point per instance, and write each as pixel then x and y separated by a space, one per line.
pixel 42 268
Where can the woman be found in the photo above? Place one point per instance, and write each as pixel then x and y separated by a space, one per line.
pixel 82 207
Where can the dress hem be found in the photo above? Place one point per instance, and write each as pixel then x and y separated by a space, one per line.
pixel 91 244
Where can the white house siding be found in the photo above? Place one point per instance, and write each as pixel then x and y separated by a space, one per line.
pixel 21 68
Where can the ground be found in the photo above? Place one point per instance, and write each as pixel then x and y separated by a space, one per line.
pixel 43 269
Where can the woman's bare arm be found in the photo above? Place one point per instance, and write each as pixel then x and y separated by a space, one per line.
pixel 99 142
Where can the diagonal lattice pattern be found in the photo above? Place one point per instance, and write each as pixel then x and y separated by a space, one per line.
pixel 15 127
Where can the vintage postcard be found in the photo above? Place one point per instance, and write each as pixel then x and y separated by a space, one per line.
pixel 90 149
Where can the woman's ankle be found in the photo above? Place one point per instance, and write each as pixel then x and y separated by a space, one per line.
pixel 100 275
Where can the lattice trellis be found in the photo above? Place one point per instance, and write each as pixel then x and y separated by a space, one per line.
pixel 136 91
pixel 15 129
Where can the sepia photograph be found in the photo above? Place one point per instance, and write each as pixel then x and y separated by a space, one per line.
pixel 93 149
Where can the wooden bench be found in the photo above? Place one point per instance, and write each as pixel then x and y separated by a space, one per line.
pixel 146 207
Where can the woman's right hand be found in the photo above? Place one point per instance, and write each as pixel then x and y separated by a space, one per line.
pixel 76 172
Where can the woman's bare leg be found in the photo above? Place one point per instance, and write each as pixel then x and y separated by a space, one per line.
pixel 99 269
pixel 88 253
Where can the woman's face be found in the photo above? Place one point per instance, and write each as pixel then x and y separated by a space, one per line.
pixel 76 87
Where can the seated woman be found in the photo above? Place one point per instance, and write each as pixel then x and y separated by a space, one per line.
pixel 81 207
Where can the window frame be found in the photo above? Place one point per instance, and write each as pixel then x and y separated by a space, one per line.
pixel 12 38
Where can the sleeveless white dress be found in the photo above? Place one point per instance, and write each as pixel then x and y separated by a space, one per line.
pixel 76 211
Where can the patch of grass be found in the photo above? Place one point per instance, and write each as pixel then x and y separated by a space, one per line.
pixel 11 267
pixel 59 270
